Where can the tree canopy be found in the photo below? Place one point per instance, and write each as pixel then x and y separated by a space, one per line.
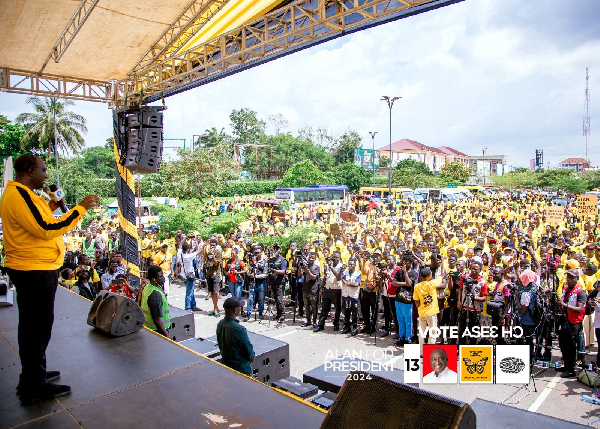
pixel 455 172
pixel 40 126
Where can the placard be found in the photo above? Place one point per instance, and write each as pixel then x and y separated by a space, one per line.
pixel 587 205
pixel 555 214
pixel 334 229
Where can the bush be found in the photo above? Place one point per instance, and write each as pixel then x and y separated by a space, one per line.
pixel 249 188
pixel 301 234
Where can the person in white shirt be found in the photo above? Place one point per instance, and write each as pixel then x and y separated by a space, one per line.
pixel 441 373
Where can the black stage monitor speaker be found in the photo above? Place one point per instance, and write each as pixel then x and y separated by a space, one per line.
pixel 367 400
pixel 115 314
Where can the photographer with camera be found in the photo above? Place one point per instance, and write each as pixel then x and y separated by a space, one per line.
pixel 497 299
pixel 403 281
pixel 351 280
pixel 235 270
pixel 258 271
pixel 332 291
pixel 472 294
pixel 213 256
pixel 291 257
pixel 311 280
pixel 573 300
pixel 120 285
pixel 368 292
pixel 300 258
pixel 277 279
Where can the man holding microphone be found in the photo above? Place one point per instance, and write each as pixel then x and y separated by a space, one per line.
pixel 34 253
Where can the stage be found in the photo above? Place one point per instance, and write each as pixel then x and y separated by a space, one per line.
pixel 140 380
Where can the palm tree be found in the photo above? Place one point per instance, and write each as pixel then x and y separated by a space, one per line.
pixel 212 137
pixel 41 125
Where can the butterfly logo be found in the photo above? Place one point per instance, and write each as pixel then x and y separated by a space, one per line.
pixel 473 367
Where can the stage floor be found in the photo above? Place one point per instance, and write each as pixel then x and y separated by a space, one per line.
pixel 140 380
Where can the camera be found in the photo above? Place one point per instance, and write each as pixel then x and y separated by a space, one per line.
pixel 468 283
pixel 381 266
pixel 328 259
pixel 298 253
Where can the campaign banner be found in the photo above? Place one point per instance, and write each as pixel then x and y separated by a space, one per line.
pixel 365 158
pixel 512 364
pixel 439 364
pixel 476 364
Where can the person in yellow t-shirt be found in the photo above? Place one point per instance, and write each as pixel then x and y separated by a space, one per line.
pixel 425 297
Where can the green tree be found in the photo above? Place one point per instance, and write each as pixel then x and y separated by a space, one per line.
pixel 247 128
pixel 304 173
pixel 455 172
pixel 10 142
pixel 284 150
pixel 593 178
pixel 514 179
pixel 213 137
pixel 351 175
pixel 100 160
pixel 411 166
pixel 4 121
pixel 198 173
pixel 75 179
pixel 414 174
pixel 40 126
pixel 344 148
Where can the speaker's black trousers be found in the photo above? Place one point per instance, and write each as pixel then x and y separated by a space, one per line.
pixel 35 298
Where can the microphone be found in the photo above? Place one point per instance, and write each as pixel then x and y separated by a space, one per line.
pixel 59 198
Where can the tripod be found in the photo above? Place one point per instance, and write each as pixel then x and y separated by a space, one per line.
pixel 538 328
pixel 375 316
pixel 269 300
pixel 468 299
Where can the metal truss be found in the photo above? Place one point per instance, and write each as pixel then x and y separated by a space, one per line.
pixel 22 82
pixel 69 33
pixel 293 27
pixel 163 71
pixel 192 19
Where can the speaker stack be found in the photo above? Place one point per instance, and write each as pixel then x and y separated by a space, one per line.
pixel 141 138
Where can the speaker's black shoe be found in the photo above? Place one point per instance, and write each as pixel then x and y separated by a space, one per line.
pixel 50 376
pixel 44 392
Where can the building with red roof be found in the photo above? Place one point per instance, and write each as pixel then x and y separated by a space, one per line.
pixel 577 164
pixel 433 157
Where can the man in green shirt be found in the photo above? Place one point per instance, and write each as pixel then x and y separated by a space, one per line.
pixel 236 350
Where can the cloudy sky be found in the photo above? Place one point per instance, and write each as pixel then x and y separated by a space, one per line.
pixel 508 75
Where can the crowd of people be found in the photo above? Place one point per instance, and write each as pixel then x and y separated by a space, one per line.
pixel 387 271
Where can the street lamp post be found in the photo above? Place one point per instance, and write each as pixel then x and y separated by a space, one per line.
pixel 372 133
pixel 390 103
pixel 483 149
pixel 55 147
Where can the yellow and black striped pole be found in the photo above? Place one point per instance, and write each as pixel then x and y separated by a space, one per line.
pixel 129 234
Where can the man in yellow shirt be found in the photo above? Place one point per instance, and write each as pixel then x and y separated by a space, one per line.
pixel 163 259
pixel 425 297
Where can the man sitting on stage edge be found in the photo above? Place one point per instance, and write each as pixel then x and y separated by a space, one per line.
pixel 235 346
pixel 34 252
